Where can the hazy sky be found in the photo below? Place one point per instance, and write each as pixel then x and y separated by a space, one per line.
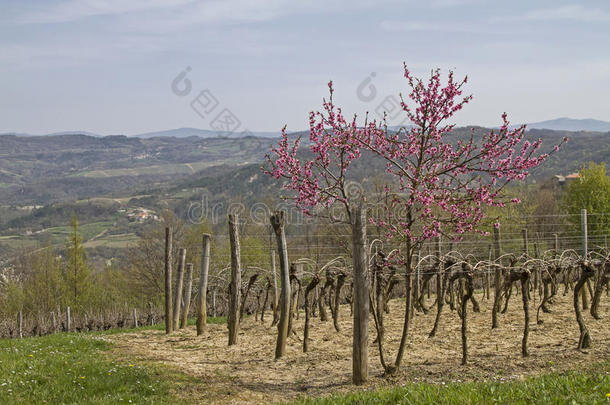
pixel 107 66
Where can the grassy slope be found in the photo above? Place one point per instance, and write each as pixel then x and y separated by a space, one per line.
pixel 71 368
pixel 74 368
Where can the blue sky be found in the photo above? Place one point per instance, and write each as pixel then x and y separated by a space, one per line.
pixel 107 66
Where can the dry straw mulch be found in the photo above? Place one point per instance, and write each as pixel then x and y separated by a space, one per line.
pixel 247 373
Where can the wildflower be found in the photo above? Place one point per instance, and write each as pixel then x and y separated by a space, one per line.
pixel 82 377
pixel 131 365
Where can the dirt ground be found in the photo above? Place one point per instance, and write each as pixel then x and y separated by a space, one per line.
pixel 247 373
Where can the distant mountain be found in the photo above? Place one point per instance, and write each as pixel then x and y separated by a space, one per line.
pixel 176 133
pixel 205 133
pixel 52 134
pixel 571 124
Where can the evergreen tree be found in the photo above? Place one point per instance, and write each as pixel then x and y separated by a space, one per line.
pixel 76 271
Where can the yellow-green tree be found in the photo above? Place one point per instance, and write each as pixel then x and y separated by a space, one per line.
pixel 76 271
pixel 590 191
pixel 42 281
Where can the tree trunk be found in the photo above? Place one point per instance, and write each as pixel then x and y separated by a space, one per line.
pixel 277 221
pixel 245 295
pixel 202 312
pixel 266 300
pixel 405 327
pixel 340 282
pixel 465 298
pixel 604 276
pixel 440 297
pixel 235 285
pixel 525 277
pixel 322 300
pixel 312 284
pixel 584 342
pixel 497 280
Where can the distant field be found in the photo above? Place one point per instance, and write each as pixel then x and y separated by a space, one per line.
pixel 57 236
pixel 113 241
pixel 88 231
pixel 179 168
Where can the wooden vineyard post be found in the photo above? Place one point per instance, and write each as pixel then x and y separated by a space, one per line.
pixel 277 221
pixel 360 365
pixel 584 232
pixel 497 280
pixel 53 321
pixel 68 320
pixel 169 324
pixel 202 312
pixel 526 247
pixel 214 302
pixel 187 295
pixel 487 271
pixel 179 287
pixel 20 324
pixel 235 285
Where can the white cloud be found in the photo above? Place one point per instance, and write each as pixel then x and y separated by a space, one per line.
pixel 433 26
pixel 73 10
pixel 179 13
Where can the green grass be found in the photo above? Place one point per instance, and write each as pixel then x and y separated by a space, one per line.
pixel 72 368
pixel 573 387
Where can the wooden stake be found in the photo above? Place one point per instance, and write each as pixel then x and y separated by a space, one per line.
pixel 277 221
pixel 360 364
pixel 68 319
pixel 169 323
pixel 179 287
pixel 202 312
pixel 235 285
pixel 187 295
pixel 20 324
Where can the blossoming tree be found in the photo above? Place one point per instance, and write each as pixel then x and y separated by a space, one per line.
pixel 322 181
pixel 440 184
